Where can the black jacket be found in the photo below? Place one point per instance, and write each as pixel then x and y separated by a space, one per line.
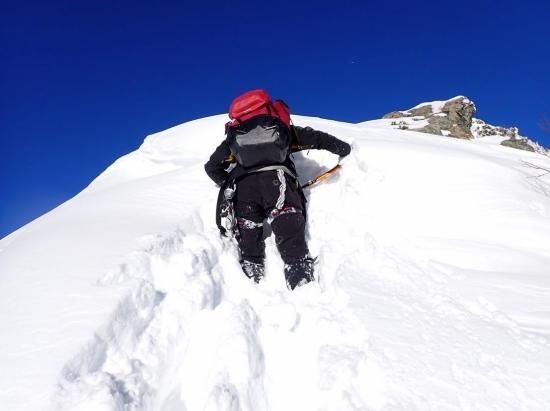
pixel 303 138
pixel 223 171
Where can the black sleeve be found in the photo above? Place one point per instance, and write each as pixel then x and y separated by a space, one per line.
pixel 216 165
pixel 307 137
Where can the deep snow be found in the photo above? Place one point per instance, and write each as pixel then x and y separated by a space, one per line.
pixel 433 293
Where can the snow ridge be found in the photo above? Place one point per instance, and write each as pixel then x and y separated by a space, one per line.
pixel 432 288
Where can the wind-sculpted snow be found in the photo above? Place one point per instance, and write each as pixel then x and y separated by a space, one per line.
pixel 432 293
pixel 124 364
pixel 187 339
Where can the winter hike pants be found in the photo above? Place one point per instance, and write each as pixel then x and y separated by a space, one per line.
pixel 274 196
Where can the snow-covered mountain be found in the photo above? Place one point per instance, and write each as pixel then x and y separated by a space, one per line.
pixel 433 292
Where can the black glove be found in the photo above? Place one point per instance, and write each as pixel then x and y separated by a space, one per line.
pixel 341 148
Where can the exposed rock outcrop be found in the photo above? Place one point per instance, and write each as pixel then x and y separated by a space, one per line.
pixel 454 118
pixel 394 114
pixel 450 118
pixel 424 111
pixel 521 144
pixel 481 129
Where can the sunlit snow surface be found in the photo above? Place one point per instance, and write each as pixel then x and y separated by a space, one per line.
pixel 434 289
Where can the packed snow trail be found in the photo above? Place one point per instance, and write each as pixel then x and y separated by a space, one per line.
pixel 194 334
pixel 432 294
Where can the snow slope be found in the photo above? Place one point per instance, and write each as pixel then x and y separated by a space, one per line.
pixel 433 293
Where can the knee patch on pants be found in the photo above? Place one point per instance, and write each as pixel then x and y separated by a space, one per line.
pixel 251 240
pixel 289 230
pixel 289 224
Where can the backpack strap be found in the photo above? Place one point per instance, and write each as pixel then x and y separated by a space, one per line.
pixel 275 167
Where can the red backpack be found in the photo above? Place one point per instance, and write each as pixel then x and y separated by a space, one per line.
pixel 254 103
pixel 259 133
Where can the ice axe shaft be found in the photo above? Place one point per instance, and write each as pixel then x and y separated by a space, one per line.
pixel 323 176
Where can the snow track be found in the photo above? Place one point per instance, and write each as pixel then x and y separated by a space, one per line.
pixel 125 363
pixel 186 339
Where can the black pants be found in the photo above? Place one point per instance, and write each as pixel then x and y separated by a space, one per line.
pixel 274 196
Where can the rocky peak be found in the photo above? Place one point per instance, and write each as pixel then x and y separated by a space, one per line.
pixel 455 118
pixel 513 139
pixel 449 117
pixel 482 129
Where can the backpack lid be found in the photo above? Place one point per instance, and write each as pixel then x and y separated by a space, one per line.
pixel 281 111
pixel 247 103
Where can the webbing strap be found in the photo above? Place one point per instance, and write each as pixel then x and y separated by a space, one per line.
pixel 282 189
pixel 277 167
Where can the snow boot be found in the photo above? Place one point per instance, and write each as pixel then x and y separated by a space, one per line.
pixel 299 272
pixel 254 271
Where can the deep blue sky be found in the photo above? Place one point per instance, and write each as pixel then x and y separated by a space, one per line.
pixel 83 82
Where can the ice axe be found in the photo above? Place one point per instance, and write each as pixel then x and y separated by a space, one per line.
pixel 323 176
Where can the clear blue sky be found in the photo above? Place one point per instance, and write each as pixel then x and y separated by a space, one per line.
pixel 83 82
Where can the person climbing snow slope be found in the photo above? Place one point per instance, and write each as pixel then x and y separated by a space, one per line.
pixel 258 181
